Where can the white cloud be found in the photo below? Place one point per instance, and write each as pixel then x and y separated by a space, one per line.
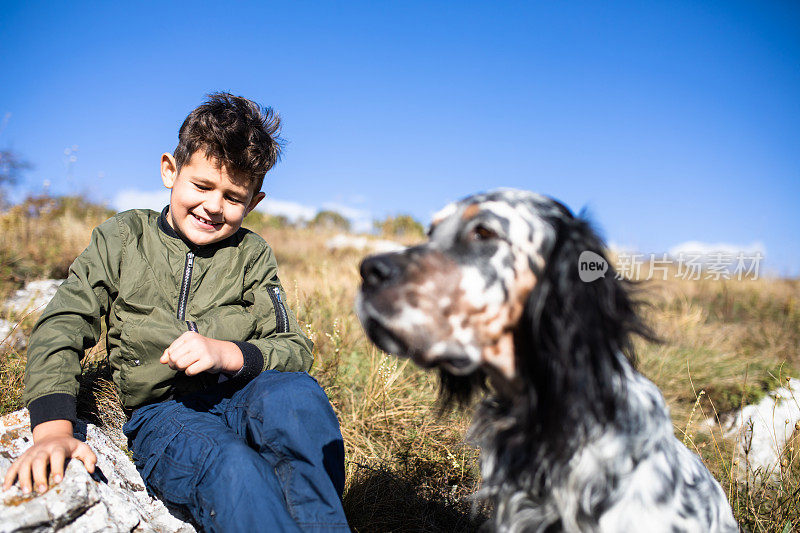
pixel 133 199
pixel 706 249
pixel 291 210
pixel 345 210
pixel 621 248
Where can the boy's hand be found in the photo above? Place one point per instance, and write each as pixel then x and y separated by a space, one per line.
pixel 193 353
pixel 53 444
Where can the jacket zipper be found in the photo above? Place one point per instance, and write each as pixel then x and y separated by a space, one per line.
pixel 183 298
pixel 281 317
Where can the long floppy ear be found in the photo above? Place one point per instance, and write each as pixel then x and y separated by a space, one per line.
pixel 573 337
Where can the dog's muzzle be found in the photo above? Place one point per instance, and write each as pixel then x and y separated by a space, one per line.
pixel 380 271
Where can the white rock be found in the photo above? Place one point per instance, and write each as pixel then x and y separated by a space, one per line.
pixel 34 297
pixel 114 498
pixel 762 430
pixel 11 337
pixel 343 241
pixel 74 496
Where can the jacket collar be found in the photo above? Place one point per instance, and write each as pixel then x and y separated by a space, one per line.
pixel 164 226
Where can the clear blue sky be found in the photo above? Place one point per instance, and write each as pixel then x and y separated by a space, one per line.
pixel 671 121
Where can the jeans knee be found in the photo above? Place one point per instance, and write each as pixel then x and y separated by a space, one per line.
pixel 287 389
pixel 236 467
pixel 275 379
pixel 285 403
pixel 232 463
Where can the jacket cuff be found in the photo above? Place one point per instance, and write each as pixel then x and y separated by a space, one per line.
pixel 253 361
pixel 55 406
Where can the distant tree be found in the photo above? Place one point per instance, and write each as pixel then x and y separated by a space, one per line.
pixel 44 206
pixel 278 221
pixel 254 219
pixel 330 220
pixel 258 220
pixel 400 226
pixel 11 167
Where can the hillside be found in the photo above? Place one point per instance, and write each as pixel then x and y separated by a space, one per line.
pixel 726 344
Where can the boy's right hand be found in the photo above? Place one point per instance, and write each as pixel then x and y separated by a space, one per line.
pixel 53 444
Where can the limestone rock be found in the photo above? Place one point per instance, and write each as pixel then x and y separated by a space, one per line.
pixel 114 498
pixel 761 431
pixel 34 297
pixel 343 241
pixel 11 336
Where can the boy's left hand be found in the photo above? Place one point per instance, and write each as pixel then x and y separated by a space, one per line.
pixel 193 353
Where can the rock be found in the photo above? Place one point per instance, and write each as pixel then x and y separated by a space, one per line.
pixel 11 337
pixel 34 297
pixel 353 242
pixel 762 430
pixel 114 498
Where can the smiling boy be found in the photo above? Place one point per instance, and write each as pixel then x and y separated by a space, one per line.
pixel 209 364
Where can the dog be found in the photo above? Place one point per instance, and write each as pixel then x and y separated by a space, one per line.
pixel 572 437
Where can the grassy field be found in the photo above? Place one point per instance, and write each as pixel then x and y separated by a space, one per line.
pixel 408 468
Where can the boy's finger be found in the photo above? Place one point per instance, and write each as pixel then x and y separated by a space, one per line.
pixel 57 459
pixel 171 357
pixel 197 367
pixel 86 456
pixel 11 475
pixel 188 359
pixel 39 467
pixel 24 476
pixel 182 358
pixel 182 339
pixel 171 348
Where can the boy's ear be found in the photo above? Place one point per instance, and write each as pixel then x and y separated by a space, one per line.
pixel 254 202
pixel 169 170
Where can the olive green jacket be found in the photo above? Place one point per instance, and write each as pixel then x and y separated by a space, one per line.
pixel 149 287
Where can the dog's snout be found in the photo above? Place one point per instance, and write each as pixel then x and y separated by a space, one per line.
pixel 378 270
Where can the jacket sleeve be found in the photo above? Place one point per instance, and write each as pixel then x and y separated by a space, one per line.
pixel 70 324
pixel 278 342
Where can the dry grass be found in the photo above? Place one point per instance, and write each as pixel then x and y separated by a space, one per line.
pixel 726 344
pixel 407 468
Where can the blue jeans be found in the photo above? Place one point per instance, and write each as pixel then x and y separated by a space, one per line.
pixel 266 456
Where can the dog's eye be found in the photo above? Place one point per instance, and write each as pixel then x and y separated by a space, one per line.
pixel 482 233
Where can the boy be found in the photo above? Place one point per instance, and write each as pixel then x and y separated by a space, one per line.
pixel 224 420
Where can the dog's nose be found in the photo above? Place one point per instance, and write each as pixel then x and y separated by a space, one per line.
pixel 377 270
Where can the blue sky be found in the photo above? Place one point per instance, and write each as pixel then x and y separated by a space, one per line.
pixel 670 121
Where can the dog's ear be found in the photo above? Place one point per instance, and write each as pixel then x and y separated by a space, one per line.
pixel 573 334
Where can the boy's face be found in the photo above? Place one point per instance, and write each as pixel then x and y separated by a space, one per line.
pixel 205 205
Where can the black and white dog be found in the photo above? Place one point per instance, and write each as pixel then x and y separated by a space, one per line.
pixel 572 437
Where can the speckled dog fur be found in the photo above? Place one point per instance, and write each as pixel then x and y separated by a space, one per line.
pixel 572 437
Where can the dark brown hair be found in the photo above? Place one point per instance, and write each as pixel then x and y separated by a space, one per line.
pixel 235 131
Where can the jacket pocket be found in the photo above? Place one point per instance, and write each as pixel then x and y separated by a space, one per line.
pixel 127 351
pixel 174 472
pixel 142 341
pixel 227 323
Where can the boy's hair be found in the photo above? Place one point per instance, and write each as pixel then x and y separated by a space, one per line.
pixel 236 132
